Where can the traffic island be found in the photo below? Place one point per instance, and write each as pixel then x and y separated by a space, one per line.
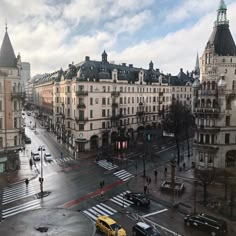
pixel 176 188
pixel 42 194
pixel 48 222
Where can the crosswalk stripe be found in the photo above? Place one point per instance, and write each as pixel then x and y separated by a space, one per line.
pixel 123 174
pixel 107 165
pixel 91 215
pixel 14 188
pixel 25 190
pixel 120 200
pixel 119 172
pixel 111 209
pixel 128 178
pixel 20 208
pixel 99 211
pixel 104 209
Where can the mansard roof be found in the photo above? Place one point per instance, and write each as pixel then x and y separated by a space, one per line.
pixel 181 79
pixel 7 55
pixel 222 41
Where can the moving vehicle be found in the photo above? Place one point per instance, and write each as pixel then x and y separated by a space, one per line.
pixel 138 199
pixel 48 157
pixel 207 223
pixel 27 140
pixel 109 227
pixel 143 229
pixel 35 156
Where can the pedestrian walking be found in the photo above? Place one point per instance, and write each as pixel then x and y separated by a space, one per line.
pixel 149 180
pixel 165 171
pixel 155 174
pixel 184 165
pixel 26 182
pixel 145 189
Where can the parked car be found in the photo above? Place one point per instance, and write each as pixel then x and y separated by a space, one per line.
pixel 138 199
pixel 48 157
pixel 108 226
pixel 27 140
pixel 207 223
pixel 143 229
pixel 35 156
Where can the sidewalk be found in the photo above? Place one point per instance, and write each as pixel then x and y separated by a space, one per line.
pixel 184 202
pixel 24 172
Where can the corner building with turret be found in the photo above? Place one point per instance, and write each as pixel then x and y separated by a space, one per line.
pixel 214 98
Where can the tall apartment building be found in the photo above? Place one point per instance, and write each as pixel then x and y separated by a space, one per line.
pixel 214 98
pixel 10 106
pixel 95 103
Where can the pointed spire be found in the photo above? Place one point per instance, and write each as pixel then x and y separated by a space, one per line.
pixel 197 68
pixel 104 56
pixel 151 65
pixel 221 14
pixel 7 55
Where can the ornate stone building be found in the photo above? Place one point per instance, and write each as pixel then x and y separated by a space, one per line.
pixel 214 98
pixel 96 103
pixel 10 106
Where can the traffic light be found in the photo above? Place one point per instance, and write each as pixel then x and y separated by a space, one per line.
pixel 148 137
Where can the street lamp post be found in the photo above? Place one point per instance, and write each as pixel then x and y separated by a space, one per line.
pixel 41 148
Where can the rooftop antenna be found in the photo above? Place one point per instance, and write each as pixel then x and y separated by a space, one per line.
pixel 6 24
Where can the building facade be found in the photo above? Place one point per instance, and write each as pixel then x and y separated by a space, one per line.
pixel 11 97
pixel 96 103
pixel 214 98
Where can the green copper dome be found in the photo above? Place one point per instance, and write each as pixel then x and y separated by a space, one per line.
pixel 222 6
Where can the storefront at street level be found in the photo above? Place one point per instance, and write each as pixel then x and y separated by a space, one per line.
pixel 9 161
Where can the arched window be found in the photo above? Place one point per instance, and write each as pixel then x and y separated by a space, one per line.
pixel 202 103
pixel 215 103
pixel 213 85
pixel 208 103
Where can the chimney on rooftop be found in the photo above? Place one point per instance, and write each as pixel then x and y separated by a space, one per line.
pixel 87 58
pixel 131 65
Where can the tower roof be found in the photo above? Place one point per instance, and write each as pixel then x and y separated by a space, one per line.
pixel 7 55
pixel 221 38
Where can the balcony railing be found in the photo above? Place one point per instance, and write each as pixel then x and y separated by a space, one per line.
pixel 207 92
pixel 81 93
pixel 116 117
pixel 115 93
pixel 18 95
pixel 81 106
pixel 81 119
pixel 207 110
pixel 230 92
pixel 114 104
pixel 140 113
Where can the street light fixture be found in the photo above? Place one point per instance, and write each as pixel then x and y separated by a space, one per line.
pixel 41 148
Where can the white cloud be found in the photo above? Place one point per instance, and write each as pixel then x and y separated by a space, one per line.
pixel 46 35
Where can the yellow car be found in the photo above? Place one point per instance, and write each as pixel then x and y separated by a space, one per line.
pixel 109 226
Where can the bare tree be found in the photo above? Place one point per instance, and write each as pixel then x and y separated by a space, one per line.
pixel 206 176
pixel 178 121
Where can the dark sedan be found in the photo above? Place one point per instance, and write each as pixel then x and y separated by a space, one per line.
pixel 138 199
pixel 27 140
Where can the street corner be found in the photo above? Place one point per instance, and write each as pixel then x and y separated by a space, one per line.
pixel 49 221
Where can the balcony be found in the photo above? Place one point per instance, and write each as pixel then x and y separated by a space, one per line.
pixel 207 129
pixel 80 119
pixel 206 110
pixel 207 92
pixel 230 93
pixel 140 104
pixel 18 95
pixel 116 117
pixel 81 106
pixel 114 105
pixel 140 113
pixel 115 93
pixel 81 93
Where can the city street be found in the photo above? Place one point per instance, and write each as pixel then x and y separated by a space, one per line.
pixel 75 184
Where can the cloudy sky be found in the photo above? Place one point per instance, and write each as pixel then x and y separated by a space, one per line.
pixel 50 34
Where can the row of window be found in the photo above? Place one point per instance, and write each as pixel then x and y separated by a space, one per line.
pixel 66 89
pixel 15 105
pixel 211 122
pixel 211 139
pixel 107 124
pixel 15 124
pixel 15 141
pixel 181 89
pixel 123 111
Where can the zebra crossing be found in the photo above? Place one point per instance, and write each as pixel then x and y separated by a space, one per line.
pixel 98 210
pixel 123 175
pixel 53 162
pixel 121 201
pixel 34 204
pixel 103 209
pixel 17 192
pixel 106 164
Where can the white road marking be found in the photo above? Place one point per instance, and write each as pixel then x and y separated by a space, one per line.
pixel 154 213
